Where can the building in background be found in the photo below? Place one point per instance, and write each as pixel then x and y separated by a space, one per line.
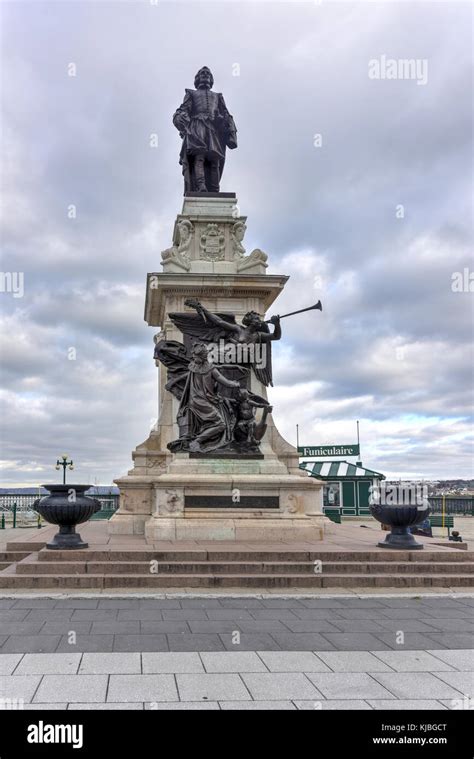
pixel 346 486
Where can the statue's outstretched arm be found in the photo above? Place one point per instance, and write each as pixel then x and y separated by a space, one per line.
pixel 258 404
pixel 275 320
pixel 228 326
pixel 223 380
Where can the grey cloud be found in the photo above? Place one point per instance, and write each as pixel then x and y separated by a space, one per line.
pixel 324 212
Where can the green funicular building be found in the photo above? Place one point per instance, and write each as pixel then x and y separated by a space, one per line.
pixel 346 487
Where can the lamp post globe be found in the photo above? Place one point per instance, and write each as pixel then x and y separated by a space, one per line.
pixel 64 463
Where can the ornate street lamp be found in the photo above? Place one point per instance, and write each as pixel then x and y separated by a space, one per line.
pixel 64 463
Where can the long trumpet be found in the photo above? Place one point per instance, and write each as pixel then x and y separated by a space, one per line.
pixel 317 306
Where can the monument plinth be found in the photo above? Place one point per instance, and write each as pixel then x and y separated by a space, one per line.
pixel 215 465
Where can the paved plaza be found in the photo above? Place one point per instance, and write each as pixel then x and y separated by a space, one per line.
pixel 242 652
pixel 337 648
pixel 353 535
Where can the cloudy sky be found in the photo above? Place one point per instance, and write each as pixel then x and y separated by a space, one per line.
pixel 373 217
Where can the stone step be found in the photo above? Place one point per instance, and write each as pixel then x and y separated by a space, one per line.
pixel 31 566
pixel 145 555
pixel 279 555
pixel 24 545
pixel 178 581
pixel 11 556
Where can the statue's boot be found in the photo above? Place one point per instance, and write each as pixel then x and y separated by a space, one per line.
pixel 214 177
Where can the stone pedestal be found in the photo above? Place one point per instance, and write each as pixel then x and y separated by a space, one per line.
pixel 175 496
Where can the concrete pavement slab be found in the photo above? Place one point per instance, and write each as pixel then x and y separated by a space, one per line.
pixel 110 663
pixel 349 685
pixel 86 643
pixel 233 614
pixel 72 688
pixel 405 704
pixel 277 686
pixel 410 640
pixel 30 644
pixel 310 625
pixel 195 642
pixel 356 641
pixel 257 705
pixel 212 687
pixel 183 706
pixel 462 659
pixel 415 685
pixel 462 681
pixel 123 643
pixel 18 687
pixel 214 626
pixel 149 627
pixel 324 705
pixel 293 661
pixel 149 688
pixel 232 661
pixel 171 662
pixel 55 664
pixel 449 640
pixel 302 641
pixel 352 661
pixel 411 661
pixel 249 642
pixel 8 663
pixel 135 706
pixel 43 707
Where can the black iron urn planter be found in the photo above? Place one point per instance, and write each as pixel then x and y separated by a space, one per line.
pixel 66 511
pixel 400 519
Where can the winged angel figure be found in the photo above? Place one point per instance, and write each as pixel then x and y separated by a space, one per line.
pixel 213 328
pixel 207 419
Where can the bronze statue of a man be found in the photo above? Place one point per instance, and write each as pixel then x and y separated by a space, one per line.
pixel 206 128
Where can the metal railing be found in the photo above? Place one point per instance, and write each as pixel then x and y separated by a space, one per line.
pixel 451 504
pixel 22 503
pixel 460 505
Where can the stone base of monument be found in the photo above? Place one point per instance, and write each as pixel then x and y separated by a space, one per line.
pixel 221 499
